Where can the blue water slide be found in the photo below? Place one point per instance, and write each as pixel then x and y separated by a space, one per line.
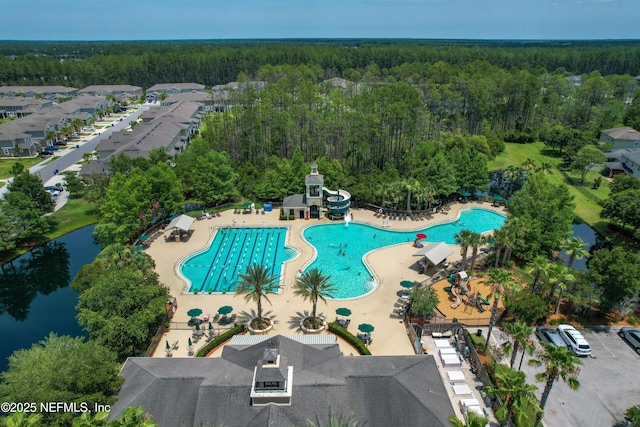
pixel 338 201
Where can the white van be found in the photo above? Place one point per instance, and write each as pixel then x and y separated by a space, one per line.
pixel 574 339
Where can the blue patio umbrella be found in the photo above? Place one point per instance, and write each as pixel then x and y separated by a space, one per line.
pixel 465 194
pixel 168 347
pixel 498 198
pixel 366 328
pixel 210 327
pixel 197 327
pixel 143 238
pixel 190 343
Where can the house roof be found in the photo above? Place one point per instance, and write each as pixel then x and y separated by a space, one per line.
pixel 294 201
pixel 110 88
pixel 435 252
pixel 626 133
pixel 160 87
pixel 379 390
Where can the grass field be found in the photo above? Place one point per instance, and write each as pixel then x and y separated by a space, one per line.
pixel 587 209
pixel 7 163
pixel 75 214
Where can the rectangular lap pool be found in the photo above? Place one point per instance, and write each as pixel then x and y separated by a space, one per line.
pixel 216 268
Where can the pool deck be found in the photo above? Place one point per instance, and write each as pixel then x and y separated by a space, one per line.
pixel 391 265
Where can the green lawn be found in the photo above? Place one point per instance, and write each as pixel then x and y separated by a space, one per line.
pixel 7 163
pixel 586 209
pixel 75 214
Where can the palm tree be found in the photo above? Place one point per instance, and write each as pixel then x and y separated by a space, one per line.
pixel 520 333
pixel 512 387
pixel 341 421
pixel 559 275
pixel 499 280
pixel 384 190
pixel 514 232
pixel 255 285
pixel 499 236
pixel 473 420
pixel 462 239
pixel 475 241
pixel 575 248
pixel 312 285
pixel 538 267
pixel 559 362
pixel 410 185
pixel 77 124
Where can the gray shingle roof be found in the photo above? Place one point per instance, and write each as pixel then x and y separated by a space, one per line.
pixel 380 390
pixel 626 133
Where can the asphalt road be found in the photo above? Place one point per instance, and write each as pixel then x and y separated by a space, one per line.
pixel 71 156
pixel 609 383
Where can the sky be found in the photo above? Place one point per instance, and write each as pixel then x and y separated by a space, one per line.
pixel 277 19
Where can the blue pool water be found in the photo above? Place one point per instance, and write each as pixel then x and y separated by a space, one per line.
pixel 340 249
pixel 216 268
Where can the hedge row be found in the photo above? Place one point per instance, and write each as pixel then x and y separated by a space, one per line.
pixel 351 339
pixel 219 340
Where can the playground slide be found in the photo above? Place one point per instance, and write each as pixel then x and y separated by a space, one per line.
pixel 339 201
pixel 458 300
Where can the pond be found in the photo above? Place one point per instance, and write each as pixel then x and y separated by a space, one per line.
pixel 589 236
pixel 35 297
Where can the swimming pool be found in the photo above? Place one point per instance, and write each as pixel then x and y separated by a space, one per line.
pixel 340 249
pixel 216 268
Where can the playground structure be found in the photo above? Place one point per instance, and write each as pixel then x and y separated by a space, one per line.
pixel 467 310
pixel 459 288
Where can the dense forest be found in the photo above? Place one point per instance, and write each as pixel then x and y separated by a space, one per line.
pixel 144 64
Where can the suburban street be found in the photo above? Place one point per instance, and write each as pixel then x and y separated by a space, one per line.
pixel 69 156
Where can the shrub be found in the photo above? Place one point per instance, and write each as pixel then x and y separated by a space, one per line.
pixel 219 340
pixel 350 338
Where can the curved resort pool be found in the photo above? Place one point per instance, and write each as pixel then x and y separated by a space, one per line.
pixel 216 268
pixel 341 249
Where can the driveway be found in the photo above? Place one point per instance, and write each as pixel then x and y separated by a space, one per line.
pixel 609 383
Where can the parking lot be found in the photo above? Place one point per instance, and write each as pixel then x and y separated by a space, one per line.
pixel 609 384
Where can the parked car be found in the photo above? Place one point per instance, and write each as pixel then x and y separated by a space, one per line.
pixel 632 336
pixel 60 143
pixel 550 336
pixel 574 339
pixel 45 154
pixel 51 148
pixel 88 128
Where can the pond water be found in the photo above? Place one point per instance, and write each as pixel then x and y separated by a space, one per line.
pixel 35 297
pixel 589 236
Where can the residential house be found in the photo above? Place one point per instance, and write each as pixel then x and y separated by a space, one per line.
pixel 172 137
pixel 155 92
pixel 13 108
pixel 285 381
pixel 48 92
pixel 625 160
pixel 121 92
pixel 618 138
pixel 16 143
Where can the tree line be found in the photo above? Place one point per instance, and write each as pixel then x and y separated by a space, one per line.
pixel 213 62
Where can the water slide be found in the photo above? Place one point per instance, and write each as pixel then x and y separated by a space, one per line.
pixel 338 201
pixel 458 300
